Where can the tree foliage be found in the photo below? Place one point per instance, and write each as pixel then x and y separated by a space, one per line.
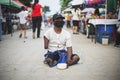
pixel 64 4
pixel 46 9
pixel 26 2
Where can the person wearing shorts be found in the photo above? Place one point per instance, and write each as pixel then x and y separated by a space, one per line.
pixel 58 43
pixel 23 20
pixel 76 20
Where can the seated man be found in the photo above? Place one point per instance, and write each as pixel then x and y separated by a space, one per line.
pixel 58 42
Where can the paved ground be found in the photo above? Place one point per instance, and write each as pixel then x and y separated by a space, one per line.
pixel 24 61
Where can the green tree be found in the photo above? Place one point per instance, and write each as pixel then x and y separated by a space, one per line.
pixel 26 2
pixel 46 9
pixel 64 4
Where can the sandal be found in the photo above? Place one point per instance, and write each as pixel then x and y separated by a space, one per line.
pixel 20 35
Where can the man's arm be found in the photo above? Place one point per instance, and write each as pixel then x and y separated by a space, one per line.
pixel 69 54
pixel 46 41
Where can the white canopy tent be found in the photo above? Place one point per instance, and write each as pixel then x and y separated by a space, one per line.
pixel 77 2
pixel 67 10
pixel 88 10
pixel 10 3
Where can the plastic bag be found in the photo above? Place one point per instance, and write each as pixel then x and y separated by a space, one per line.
pixel 42 25
pixel 118 30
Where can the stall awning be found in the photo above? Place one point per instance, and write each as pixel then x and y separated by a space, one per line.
pixel 10 3
pixel 18 2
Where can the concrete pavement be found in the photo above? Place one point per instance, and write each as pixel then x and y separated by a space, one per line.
pixel 24 61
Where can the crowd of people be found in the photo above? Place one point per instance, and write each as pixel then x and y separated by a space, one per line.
pixel 62 44
pixel 79 21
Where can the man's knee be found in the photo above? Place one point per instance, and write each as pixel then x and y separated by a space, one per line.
pixel 75 58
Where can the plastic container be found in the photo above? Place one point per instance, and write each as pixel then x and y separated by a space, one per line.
pixel 61 66
pixel 103 37
pixel 101 29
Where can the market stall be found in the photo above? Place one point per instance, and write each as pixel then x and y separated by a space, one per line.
pixel 100 30
pixel 10 3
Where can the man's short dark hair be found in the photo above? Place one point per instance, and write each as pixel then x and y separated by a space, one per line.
pixel 58 16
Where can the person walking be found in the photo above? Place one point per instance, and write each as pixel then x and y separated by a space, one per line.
pixel 58 43
pixel 76 20
pixel 36 18
pixel 8 18
pixel 68 19
pixel 0 23
pixel 23 21
pixel 117 41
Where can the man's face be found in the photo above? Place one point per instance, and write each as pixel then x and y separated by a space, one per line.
pixel 59 22
pixel 59 19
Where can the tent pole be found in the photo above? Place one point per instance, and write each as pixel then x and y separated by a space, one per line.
pixel 105 15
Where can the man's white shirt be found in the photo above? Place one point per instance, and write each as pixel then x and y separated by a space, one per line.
pixel 58 41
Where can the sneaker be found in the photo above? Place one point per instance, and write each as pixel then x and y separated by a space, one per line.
pixel 24 41
pixel 38 36
pixel 20 35
pixel 33 36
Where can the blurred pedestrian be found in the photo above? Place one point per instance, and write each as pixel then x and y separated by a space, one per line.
pixel 97 12
pixel 1 17
pixel 68 19
pixel 29 20
pixel 8 18
pixel 45 19
pixel 36 18
pixel 76 20
pixel 4 28
pixel 59 45
pixel 23 21
pixel 49 21
pixel 117 41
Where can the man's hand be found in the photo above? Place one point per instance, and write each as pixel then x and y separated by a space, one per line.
pixel 69 62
